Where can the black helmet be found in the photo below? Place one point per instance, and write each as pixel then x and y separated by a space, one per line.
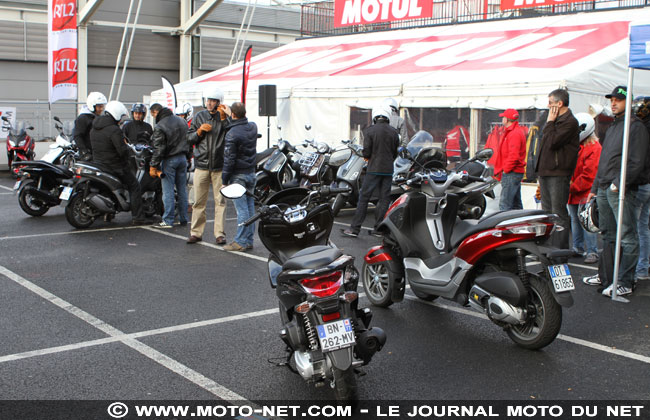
pixel 588 215
pixel 432 158
pixel 139 108
pixel 641 107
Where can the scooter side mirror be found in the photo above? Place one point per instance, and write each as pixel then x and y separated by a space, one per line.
pixel 345 141
pixel 484 155
pixel 30 127
pixel 5 118
pixel 259 136
pixel 233 191
pixel 55 118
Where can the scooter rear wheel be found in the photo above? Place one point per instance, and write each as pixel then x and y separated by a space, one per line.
pixel 30 204
pixel 76 213
pixel 378 284
pixel 345 384
pixel 544 324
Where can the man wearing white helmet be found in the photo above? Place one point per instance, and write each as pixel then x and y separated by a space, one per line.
pixel 396 121
pixel 185 111
pixel 206 134
pixel 380 144
pixel 95 103
pixel 110 150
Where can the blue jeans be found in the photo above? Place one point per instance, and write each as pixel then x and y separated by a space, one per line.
pixel 643 213
pixel 607 222
pixel 588 241
pixel 510 191
pixel 175 174
pixel 245 207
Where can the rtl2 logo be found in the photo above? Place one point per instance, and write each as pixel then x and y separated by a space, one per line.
pixel 64 66
pixel 64 15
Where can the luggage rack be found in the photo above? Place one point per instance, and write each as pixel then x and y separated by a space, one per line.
pixel 308 159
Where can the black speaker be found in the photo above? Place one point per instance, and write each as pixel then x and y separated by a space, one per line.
pixel 267 101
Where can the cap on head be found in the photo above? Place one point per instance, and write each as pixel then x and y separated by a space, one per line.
pixel 510 114
pixel 619 92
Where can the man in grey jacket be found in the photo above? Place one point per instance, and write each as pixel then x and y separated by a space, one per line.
pixel 606 189
pixel 207 133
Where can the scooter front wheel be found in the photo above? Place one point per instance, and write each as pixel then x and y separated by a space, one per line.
pixel 378 284
pixel 545 317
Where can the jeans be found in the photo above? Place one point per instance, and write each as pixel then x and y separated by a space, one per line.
pixel 372 182
pixel 175 174
pixel 510 191
pixel 245 207
pixel 555 196
pixel 607 222
pixel 642 215
pixel 582 239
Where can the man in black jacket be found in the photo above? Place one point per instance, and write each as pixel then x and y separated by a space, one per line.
pixel 557 160
pixel 138 130
pixel 380 144
pixel 110 150
pixel 239 168
pixel 95 103
pixel 170 156
pixel 606 189
pixel 206 134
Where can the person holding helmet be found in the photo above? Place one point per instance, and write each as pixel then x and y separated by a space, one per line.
pixel 137 130
pixel 396 121
pixel 95 103
pixel 206 134
pixel 380 144
pixel 185 111
pixel 584 242
pixel 110 150
pixel 606 189
pixel 641 108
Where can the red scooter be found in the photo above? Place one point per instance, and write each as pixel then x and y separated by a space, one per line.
pixel 20 145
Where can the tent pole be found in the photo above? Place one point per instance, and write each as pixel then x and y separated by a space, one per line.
pixel 621 188
pixel 119 54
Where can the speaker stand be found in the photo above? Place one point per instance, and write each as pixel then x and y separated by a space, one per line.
pixel 268 131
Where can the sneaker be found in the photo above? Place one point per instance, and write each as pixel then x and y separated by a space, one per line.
pixel 234 246
pixel 592 280
pixel 348 232
pixel 620 291
pixel 644 277
pixel 162 225
pixel 591 258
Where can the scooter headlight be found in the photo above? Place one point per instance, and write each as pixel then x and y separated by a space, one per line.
pixel 22 143
pixel 12 143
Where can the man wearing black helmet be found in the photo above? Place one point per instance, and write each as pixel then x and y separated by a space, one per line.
pixel 137 130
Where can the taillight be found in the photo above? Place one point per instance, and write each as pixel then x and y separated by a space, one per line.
pixel 323 286
pixel 535 228
pixel 331 317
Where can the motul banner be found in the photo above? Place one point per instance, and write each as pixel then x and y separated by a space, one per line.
pixel 355 12
pixel 62 49
pixel 520 4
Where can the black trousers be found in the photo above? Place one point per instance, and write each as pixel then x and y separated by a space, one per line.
pixel 135 193
pixel 372 183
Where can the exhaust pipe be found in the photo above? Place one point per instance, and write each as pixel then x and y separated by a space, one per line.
pixel 43 195
pixel 101 203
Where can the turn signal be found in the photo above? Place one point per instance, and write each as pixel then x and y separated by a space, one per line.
pixel 323 286
pixel 349 297
pixel 303 308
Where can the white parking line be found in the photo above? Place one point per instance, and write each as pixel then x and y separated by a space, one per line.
pixel 578 341
pixel 191 375
pixel 6 188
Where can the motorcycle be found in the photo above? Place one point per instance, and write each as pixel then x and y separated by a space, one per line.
pixel 20 146
pixel 95 192
pixel 63 151
pixel 477 263
pixel 327 335
pixel 350 175
pixel 277 171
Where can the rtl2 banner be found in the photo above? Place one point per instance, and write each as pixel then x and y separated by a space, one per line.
pixel 520 4
pixel 62 49
pixel 356 12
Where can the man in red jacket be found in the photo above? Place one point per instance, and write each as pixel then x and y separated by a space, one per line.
pixel 511 161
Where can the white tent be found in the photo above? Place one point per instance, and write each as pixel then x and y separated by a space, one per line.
pixel 486 65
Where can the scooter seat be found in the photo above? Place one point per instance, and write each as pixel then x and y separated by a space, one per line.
pixel 312 257
pixel 466 228
pixel 41 164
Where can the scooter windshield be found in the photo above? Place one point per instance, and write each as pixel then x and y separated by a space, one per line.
pixel 68 128
pixel 419 141
pixel 18 130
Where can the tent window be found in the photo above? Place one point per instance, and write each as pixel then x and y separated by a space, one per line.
pixel 360 118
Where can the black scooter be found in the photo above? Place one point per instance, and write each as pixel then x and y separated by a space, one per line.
pixel 326 333
pixel 96 192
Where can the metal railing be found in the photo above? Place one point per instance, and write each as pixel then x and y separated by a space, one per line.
pixel 317 19
pixel 38 114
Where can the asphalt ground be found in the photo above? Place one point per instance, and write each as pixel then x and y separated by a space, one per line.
pixel 119 312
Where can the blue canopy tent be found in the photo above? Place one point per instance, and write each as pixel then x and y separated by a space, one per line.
pixel 639 58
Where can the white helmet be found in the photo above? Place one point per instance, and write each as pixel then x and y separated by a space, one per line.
pixel 588 215
pixel 185 109
pixel 95 98
pixel 391 103
pixel 212 93
pixel 586 124
pixel 380 111
pixel 117 110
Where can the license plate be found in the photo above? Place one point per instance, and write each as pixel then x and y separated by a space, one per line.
pixel 17 185
pixel 65 194
pixel 336 335
pixel 561 278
